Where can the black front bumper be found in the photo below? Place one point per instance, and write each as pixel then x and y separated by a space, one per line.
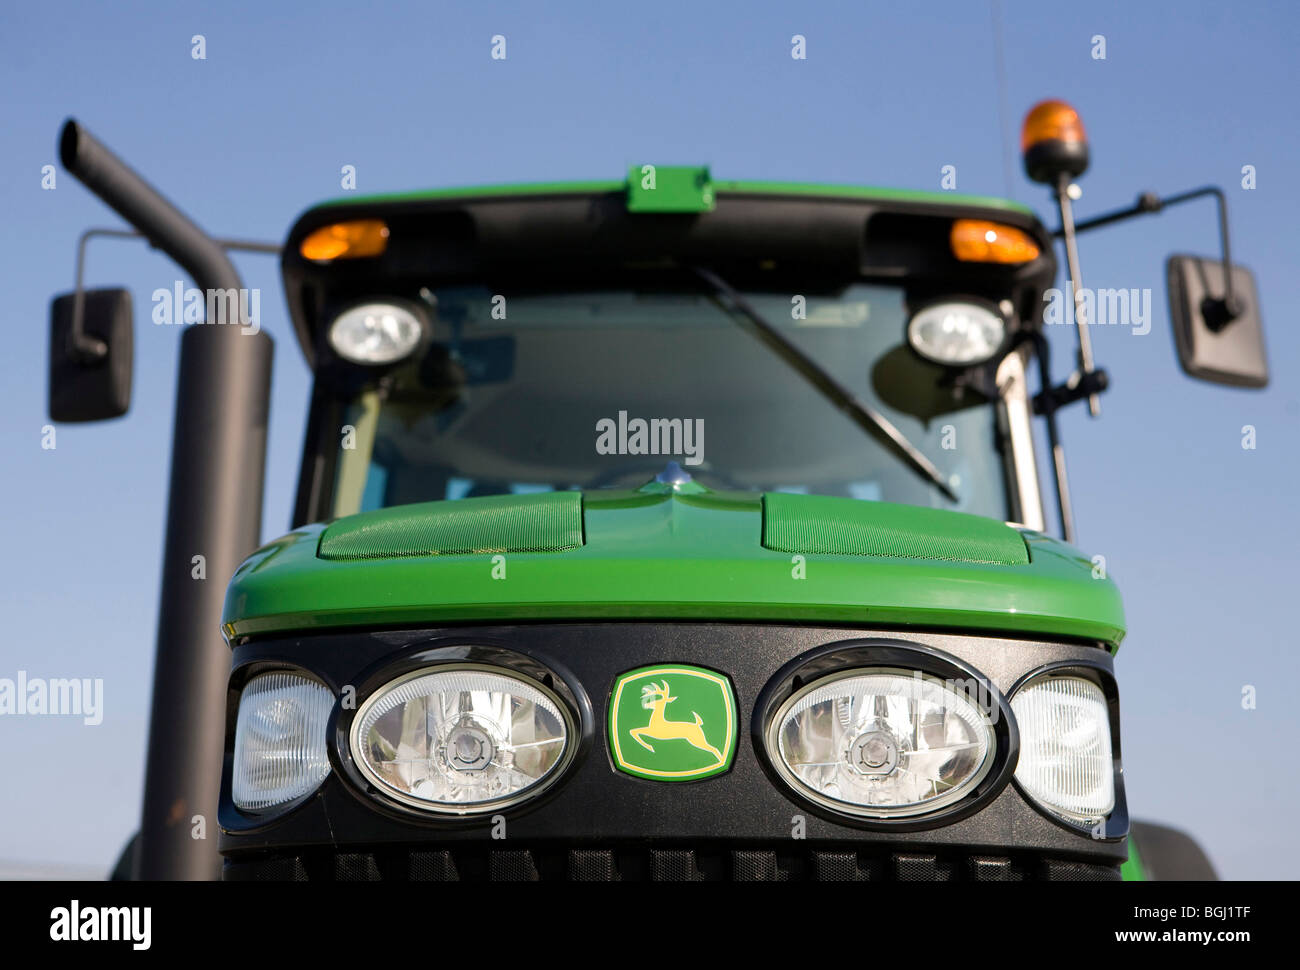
pixel 665 863
pixel 599 823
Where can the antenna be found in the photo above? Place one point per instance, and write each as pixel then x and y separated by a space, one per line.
pixel 1000 73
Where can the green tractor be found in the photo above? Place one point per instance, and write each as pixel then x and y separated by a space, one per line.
pixel 655 529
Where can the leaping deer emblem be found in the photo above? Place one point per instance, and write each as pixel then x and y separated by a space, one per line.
pixel 655 698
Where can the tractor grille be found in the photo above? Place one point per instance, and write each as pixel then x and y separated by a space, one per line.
pixel 658 864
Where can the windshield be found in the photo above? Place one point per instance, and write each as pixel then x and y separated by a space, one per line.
pixel 603 389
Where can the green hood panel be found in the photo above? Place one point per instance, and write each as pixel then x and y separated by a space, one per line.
pixel 681 555
pixel 545 522
pixel 845 526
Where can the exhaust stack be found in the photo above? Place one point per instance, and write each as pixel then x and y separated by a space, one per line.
pixel 214 510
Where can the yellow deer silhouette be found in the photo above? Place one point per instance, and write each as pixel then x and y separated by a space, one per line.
pixel 654 698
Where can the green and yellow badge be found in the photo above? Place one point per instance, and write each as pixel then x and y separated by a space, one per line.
pixel 672 723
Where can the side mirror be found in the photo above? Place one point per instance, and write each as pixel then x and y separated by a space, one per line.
pixel 90 368
pixel 1216 343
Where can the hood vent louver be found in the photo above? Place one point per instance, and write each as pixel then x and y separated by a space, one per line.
pixel 819 524
pixel 545 522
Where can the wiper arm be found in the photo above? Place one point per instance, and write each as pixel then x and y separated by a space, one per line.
pixel 864 416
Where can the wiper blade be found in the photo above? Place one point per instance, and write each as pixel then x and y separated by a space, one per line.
pixel 863 415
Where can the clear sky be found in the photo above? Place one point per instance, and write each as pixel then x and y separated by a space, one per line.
pixel 1200 533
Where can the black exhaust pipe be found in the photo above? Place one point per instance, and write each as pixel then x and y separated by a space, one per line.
pixel 144 207
pixel 214 510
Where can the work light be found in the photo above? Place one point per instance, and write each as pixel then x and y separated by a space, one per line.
pixel 956 334
pixel 1066 762
pixel 375 334
pixel 462 739
pixel 881 743
pixel 279 740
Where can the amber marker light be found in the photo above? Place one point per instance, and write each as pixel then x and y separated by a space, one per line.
pixel 346 240
pixel 980 241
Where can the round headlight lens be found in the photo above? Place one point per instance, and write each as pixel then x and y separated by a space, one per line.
pixel 956 334
pixel 280 749
pixel 1066 762
pixel 375 333
pixel 882 743
pixel 462 740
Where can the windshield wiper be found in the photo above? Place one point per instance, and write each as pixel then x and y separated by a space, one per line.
pixel 864 416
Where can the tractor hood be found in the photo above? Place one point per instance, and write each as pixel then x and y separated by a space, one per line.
pixel 672 552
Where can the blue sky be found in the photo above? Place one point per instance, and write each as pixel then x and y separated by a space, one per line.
pixel 1201 535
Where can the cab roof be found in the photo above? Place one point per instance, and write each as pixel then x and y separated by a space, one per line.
pixel 812 189
pixel 645 229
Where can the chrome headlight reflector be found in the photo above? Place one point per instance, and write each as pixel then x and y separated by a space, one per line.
pixel 375 334
pixel 462 739
pixel 280 747
pixel 882 743
pixel 1066 757
pixel 956 334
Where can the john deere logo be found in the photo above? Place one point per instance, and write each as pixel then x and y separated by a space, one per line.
pixel 672 723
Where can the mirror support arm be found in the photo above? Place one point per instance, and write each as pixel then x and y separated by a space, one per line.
pixel 84 347
pixel 89 348
pixel 1218 312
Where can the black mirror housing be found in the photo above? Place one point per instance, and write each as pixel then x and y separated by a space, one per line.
pixel 1216 344
pixel 85 386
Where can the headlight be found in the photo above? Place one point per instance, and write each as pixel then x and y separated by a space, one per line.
pixel 279 740
pixel 881 743
pixel 462 739
pixel 375 333
pixel 1066 762
pixel 956 334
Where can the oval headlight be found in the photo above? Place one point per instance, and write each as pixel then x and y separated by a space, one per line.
pixel 375 333
pixel 1066 760
pixel 280 752
pixel 956 334
pixel 882 743
pixel 462 739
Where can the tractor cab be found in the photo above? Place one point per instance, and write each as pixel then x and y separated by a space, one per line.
pixel 764 337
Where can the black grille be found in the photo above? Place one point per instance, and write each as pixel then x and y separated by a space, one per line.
pixel 658 864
